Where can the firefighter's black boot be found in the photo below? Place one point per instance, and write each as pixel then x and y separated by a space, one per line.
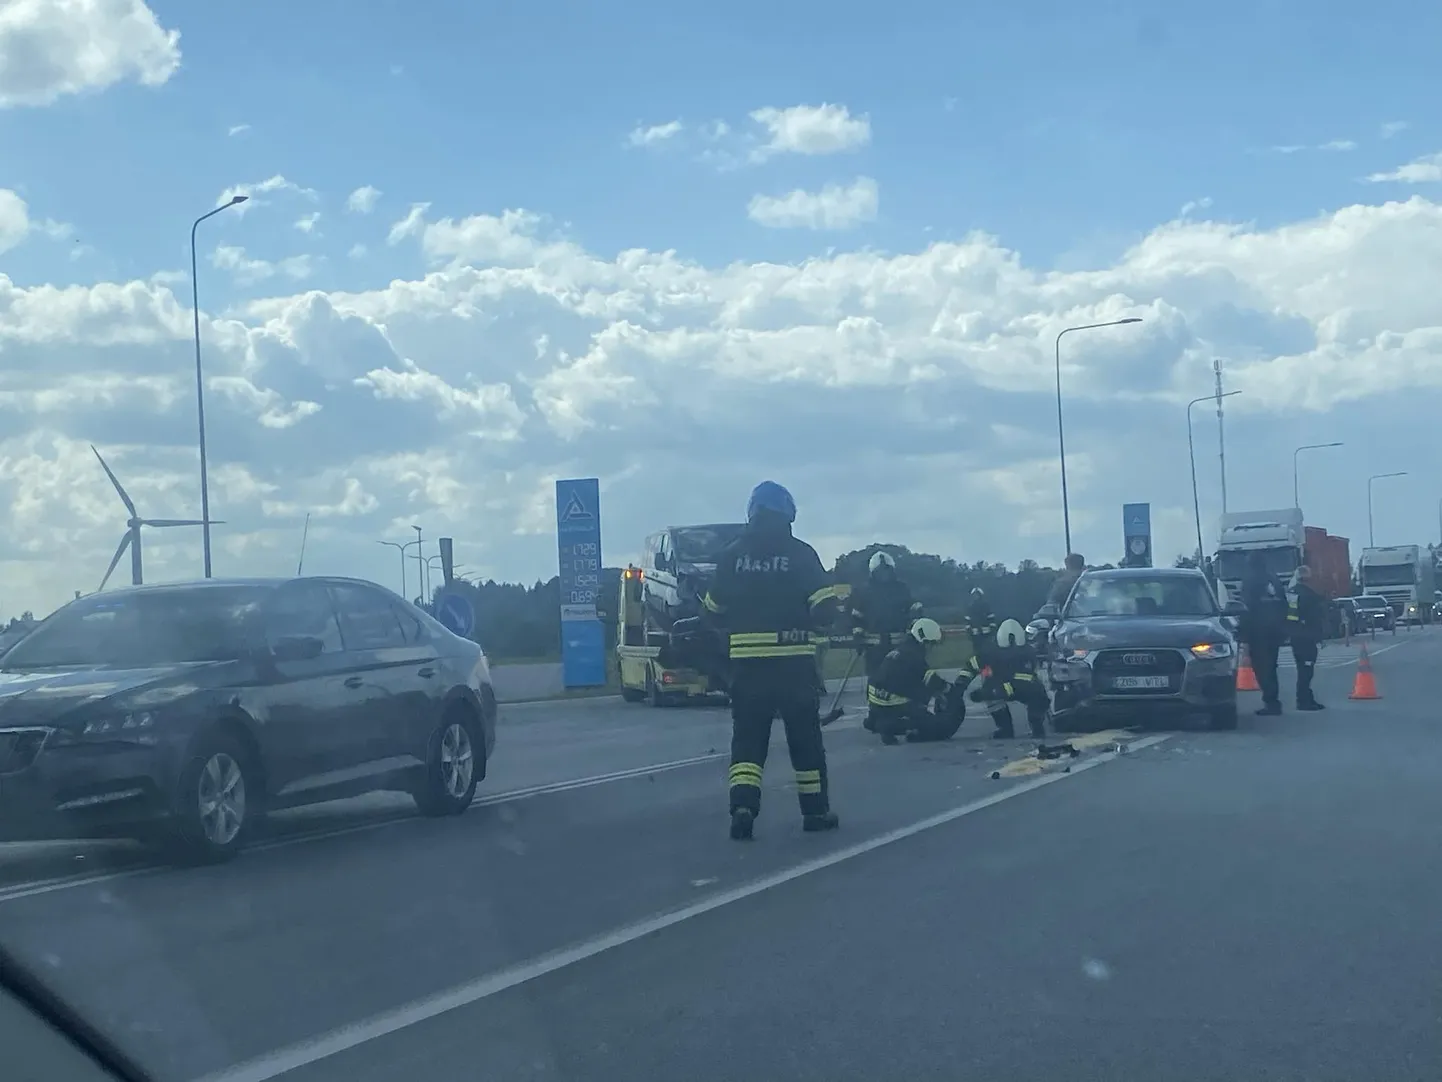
pixel 1001 718
pixel 743 821
pixel 823 821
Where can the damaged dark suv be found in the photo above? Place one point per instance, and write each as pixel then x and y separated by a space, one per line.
pixel 1141 645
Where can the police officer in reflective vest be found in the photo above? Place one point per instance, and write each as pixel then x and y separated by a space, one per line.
pixel 1306 627
pixel 769 595
pixel 1012 679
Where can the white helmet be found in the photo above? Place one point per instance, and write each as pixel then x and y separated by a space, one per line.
pixel 925 631
pixel 1010 633
pixel 880 559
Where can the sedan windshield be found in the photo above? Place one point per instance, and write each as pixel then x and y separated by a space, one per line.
pixel 1172 595
pixel 142 629
pixel 1370 602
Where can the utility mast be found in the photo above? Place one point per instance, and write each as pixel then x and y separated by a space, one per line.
pixel 1221 433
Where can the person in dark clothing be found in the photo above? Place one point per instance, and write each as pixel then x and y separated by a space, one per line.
pixel 769 594
pixel 881 611
pixel 1061 588
pixel 906 697
pixel 1012 678
pixel 1306 628
pixel 980 624
pixel 1264 628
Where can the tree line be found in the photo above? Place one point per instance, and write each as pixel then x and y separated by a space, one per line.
pixel 517 622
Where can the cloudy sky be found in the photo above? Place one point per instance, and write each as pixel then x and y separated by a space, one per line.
pixel 488 245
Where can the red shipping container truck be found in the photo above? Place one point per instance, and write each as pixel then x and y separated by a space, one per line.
pixel 1330 559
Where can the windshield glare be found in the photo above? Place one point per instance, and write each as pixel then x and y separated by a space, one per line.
pixel 141 630
pixel 703 544
pixel 1389 575
pixel 1160 596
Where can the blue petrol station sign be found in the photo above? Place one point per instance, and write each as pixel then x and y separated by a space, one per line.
pixel 578 544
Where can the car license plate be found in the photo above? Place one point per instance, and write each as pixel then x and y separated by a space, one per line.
pixel 1141 682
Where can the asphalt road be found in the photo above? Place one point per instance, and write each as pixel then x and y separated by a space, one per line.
pixel 1257 904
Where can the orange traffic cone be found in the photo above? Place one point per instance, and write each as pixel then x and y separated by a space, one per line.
pixel 1365 684
pixel 1246 678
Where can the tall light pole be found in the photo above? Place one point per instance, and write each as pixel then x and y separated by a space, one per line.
pixel 235 201
pixel 1192 454
pixel 402 550
pixel 1060 431
pixel 421 571
pixel 1296 499
pixel 1371 537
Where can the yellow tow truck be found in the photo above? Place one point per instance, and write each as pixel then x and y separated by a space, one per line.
pixel 650 670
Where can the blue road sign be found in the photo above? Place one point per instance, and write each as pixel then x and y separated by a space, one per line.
pixel 456 614
pixel 578 542
pixel 1137 534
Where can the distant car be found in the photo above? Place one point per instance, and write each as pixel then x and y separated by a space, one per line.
pixel 180 714
pixel 1371 613
pixel 1142 644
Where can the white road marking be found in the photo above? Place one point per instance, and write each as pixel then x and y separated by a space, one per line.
pixel 351 1036
pixel 68 882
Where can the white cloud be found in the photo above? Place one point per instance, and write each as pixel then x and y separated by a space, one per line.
pixel 14 220
pixel 1338 145
pixel 810 129
pixel 237 129
pixel 357 251
pixel 307 223
pixel 906 395
pixel 362 200
pixel 248 271
pixel 1393 128
pixel 53 48
pixel 646 136
pixel 410 225
pixel 833 207
pixel 1424 170
pixel 268 186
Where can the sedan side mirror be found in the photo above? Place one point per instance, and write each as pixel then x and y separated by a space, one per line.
pixel 296 648
pixel 1234 608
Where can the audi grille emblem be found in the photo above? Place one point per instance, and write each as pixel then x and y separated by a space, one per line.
pixel 1139 659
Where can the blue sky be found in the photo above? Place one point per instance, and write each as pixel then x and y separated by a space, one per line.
pixel 1214 171
pixel 1067 134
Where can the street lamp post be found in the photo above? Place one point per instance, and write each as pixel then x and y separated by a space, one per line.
pixel 402 550
pixel 1296 498
pixel 200 379
pixel 1192 454
pixel 425 583
pixel 1060 430
pixel 1371 537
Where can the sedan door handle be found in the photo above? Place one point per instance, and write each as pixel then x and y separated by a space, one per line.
pixel 427 672
pixel 354 681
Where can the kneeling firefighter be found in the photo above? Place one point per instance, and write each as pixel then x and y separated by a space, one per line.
pixel 881 612
pixel 906 697
pixel 1012 679
pixel 768 594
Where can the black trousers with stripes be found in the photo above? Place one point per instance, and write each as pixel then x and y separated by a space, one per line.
pixel 762 689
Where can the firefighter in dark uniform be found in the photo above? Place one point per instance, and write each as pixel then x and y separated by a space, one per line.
pixel 1306 628
pixel 1012 679
pixel 769 594
pixel 980 624
pixel 881 611
pixel 906 697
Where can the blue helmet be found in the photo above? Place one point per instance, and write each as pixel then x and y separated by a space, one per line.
pixel 769 496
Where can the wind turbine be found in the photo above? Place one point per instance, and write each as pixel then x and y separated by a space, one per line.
pixel 131 540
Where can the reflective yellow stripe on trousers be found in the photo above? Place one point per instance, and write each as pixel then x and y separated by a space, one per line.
pixel 772 644
pixel 808 781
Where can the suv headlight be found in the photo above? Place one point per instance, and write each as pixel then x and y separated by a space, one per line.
pixel 119 725
pixel 1208 650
